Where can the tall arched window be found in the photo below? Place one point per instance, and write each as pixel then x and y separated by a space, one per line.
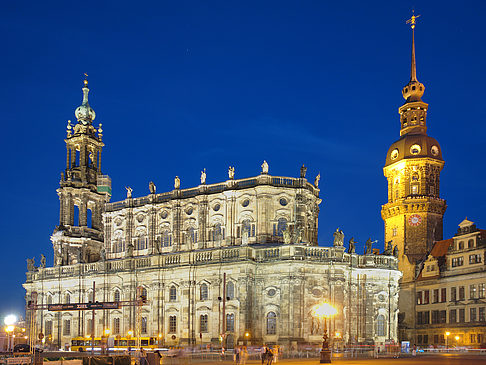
pixel 230 290
pixel 140 243
pixel 143 293
pixel 67 299
pixel 203 323
pixel 192 234
pixel 271 323
pixel 380 325
pixel 49 299
pixel 116 326
pixel 166 239
pixel 116 296
pixel 204 294
pixel 230 322
pixel 173 293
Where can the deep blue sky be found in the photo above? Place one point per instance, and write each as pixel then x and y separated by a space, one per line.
pixel 184 85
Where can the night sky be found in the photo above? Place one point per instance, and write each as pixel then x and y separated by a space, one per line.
pixel 185 85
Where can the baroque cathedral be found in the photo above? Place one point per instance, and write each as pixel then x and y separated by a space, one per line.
pixel 236 261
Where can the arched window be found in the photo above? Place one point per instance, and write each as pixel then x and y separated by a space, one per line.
pixel 461 245
pixel 230 290
pixel 116 296
pixel 470 244
pixel 140 243
pixel 380 325
pixel 143 293
pixel 67 298
pixel 173 293
pixel 230 322
pixel 192 234
pixel 271 323
pixel 204 295
pixel 118 245
pixel 116 326
pixel 166 239
pixel 281 226
pixel 203 323
pixel 49 299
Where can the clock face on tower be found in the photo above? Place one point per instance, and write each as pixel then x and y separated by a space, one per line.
pixel 414 220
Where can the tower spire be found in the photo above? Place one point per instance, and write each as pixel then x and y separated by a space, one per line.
pixel 412 21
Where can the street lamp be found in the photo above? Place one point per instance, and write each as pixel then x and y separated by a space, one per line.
pixel 324 310
pixel 10 321
pixel 447 334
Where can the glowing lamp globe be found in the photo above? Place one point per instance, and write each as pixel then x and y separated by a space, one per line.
pixel 10 319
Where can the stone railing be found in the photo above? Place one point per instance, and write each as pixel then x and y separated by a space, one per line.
pixel 220 254
pixel 279 181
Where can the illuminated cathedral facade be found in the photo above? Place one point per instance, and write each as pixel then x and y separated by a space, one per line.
pixel 226 263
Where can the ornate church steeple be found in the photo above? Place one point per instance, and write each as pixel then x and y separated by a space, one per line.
pixel 413 113
pixel 414 211
pixel 83 191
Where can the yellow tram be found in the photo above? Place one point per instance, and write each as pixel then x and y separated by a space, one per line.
pixel 113 343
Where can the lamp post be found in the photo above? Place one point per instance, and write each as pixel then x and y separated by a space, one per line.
pixel 447 334
pixel 324 310
pixel 10 321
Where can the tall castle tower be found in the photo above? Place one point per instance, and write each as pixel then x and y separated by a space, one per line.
pixel 83 191
pixel 414 211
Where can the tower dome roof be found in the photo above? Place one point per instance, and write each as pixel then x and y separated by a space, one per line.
pixel 85 113
pixel 414 146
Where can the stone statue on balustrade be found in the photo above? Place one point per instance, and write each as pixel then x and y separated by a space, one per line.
pixel 303 171
pixel 43 261
pixel 317 179
pixel 231 173
pixel 130 249
pixel 388 248
pixel 395 251
pixel 152 187
pixel 265 167
pixel 368 247
pixel 338 238
pixel 129 192
pixel 30 265
pixel 177 183
pixel 352 245
pixel 287 236
pixel 203 177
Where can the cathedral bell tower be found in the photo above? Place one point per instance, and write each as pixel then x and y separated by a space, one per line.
pixel 83 191
pixel 414 211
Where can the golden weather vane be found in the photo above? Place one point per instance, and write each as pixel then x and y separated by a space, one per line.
pixel 413 20
pixel 85 79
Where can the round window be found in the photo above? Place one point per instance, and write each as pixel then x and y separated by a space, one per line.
pixel 216 207
pixel 394 154
pixel 283 202
pixel 271 292
pixel 246 202
pixel 415 149
pixel 164 214
pixel 316 292
pixel 435 150
pixel 189 211
pixel 140 218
